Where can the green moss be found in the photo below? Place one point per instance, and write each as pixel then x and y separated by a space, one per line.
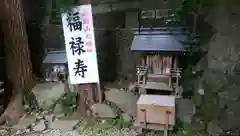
pixel 68 101
pixel 118 122
pixel 30 102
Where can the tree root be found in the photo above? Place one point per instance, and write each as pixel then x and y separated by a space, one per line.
pixel 3 119
pixel 10 118
pixel 14 111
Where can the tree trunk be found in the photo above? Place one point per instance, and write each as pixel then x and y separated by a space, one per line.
pixel 18 63
pixel 88 94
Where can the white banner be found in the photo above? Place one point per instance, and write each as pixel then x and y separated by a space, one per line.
pixel 80 45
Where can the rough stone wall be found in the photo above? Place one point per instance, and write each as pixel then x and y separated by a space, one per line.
pixel 53 36
pixel 160 4
pixel 221 100
pixel 126 57
pixel 132 16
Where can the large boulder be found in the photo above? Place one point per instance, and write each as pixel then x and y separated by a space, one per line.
pixel 185 109
pixel 25 122
pixel 102 111
pixel 47 93
pixel 213 129
pixel 40 126
pixel 126 101
pixel 64 125
pixel 197 98
pixel 126 117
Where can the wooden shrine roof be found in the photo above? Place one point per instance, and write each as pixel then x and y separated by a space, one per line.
pixel 158 40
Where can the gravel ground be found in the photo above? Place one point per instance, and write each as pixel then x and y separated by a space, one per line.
pixel 86 132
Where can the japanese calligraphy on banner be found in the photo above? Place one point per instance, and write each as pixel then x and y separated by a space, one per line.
pixel 80 45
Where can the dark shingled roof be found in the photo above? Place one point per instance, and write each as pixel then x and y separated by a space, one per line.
pixel 163 39
pixel 55 57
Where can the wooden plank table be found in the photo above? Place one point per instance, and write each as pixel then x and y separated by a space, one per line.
pixel 156 112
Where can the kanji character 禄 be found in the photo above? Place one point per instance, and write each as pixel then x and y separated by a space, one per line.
pixel 77 45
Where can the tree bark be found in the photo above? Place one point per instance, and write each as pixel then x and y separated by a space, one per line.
pixel 18 62
pixel 88 94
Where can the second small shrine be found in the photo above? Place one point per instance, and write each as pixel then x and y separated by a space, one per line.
pixel 158 68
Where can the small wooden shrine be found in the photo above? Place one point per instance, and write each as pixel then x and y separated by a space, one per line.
pixel 54 65
pixel 157 69
pixel 159 50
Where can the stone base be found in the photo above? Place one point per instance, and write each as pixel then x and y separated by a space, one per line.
pixel 47 93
